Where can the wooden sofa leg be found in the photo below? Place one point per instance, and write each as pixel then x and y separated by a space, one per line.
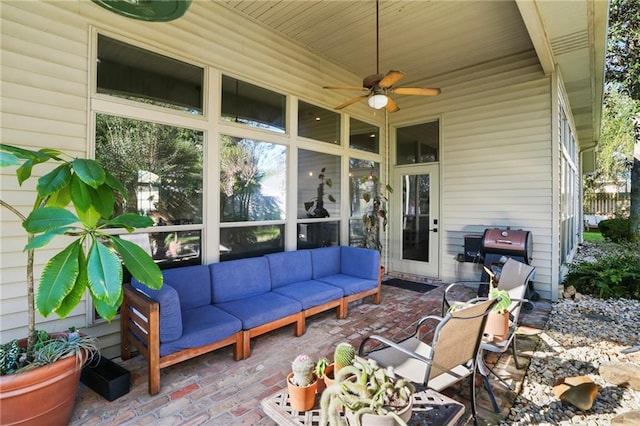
pixel 299 325
pixel 154 378
pixel 246 344
pixel 238 347
pixel 344 308
pixel 376 298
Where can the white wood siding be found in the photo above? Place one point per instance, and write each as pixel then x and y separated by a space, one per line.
pixel 496 165
pixel 496 121
pixel 46 86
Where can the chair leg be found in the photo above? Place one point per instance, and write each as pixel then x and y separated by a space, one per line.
pixel 492 396
pixel 515 354
pixel 474 415
pixel 492 371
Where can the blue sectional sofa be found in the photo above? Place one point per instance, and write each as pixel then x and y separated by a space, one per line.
pixel 206 307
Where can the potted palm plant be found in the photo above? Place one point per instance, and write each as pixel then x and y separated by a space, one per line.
pixel 93 261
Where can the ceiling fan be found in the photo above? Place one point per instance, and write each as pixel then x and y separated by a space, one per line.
pixel 380 86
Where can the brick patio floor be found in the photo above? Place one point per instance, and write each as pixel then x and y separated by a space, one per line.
pixel 215 390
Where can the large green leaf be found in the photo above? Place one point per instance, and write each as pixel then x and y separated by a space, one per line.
pixel 75 295
pixel 108 311
pixel 24 171
pixel 130 221
pixel 89 217
pixel 104 272
pixel 115 184
pixel 61 198
pixel 55 180
pixel 103 200
pixel 47 219
pixel 58 278
pixel 80 194
pixel 45 238
pixel 7 159
pixel 90 171
pixel 139 263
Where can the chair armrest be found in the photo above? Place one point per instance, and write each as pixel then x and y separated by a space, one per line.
pixel 393 345
pixel 445 302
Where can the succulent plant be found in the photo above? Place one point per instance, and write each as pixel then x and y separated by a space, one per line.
pixel 343 356
pixel 365 387
pixel 303 369
pixel 321 365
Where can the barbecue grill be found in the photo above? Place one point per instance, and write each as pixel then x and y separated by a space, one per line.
pixel 497 246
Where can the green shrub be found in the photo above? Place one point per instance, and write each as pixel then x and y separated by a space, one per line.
pixel 616 230
pixel 610 276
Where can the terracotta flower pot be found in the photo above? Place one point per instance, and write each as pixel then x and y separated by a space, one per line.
pixel 44 395
pixel 497 325
pixel 328 377
pixel 302 398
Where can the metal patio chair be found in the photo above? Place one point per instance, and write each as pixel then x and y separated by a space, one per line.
pixel 514 278
pixel 450 357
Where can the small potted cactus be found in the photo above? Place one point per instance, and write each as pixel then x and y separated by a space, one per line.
pixel 302 383
pixel 343 356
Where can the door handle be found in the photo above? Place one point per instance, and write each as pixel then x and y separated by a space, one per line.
pixel 434 230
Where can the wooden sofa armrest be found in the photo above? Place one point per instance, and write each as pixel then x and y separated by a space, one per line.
pixel 140 326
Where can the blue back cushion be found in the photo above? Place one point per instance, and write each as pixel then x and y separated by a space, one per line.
pixel 192 284
pixel 325 261
pixel 170 313
pixel 289 267
pixel 236 279
pixel 360 262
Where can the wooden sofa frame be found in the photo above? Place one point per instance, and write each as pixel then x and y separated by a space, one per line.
pixel 140 328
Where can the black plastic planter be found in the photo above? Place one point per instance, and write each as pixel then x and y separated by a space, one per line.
pixel 107 378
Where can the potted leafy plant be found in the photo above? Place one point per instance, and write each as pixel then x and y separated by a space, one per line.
pixel 315 206
pixel 367 393
pixel 497 324
pixel 375 217
pixel 302 383
pixel 88 262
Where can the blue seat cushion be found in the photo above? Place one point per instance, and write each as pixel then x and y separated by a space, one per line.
pixel 170 311
pixel 310 293
pixel 325 261
pixel 193 284
pixel 289 267
pixel 262 309
pixel 202 326
pixel 350 285
pixel 238 279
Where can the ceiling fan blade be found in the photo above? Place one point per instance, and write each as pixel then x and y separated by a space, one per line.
pixel 391 105
pixel 345 88
pixel 421 91
pixel 351 101
pixel 391 78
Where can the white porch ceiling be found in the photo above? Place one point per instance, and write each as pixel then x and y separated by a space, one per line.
pixel 428 39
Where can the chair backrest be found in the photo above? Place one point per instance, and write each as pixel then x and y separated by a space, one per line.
pixel 514 278
pixel 458 336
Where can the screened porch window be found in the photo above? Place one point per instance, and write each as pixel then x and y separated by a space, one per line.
pixel 133 73
pixel 252 105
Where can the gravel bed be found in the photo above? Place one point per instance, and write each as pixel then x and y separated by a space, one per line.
pixel 579 337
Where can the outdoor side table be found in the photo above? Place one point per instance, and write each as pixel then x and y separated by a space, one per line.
pixel 429 408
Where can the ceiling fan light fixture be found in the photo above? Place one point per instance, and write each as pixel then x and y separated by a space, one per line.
pixel 377 101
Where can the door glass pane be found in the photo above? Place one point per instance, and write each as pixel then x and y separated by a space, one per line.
pixel 418 143
pixel 415 217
